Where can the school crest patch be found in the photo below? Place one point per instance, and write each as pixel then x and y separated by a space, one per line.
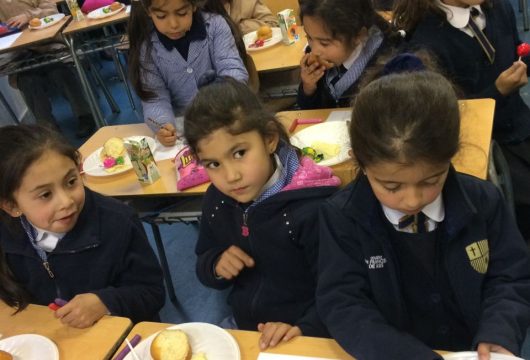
pixel 479 255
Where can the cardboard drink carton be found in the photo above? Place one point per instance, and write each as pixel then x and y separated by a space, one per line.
pixel 142 160
pixel 287 20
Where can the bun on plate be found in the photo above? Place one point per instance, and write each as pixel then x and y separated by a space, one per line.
pixel 113 147
pixel 316 58
pixel 171 345
pixel 4 355
pixel 115 6
pixel 264 32
pixel 34 23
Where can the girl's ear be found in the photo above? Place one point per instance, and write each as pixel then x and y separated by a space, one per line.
pixel 361 37
pixel 271 142
pixel 11 209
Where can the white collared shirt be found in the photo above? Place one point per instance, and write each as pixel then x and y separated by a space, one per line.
pixel 47 240
pixel 435 213
pixel 458 17
pixel 274 177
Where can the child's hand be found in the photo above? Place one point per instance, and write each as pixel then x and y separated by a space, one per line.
pixel 512 78
pixel 82 311
pixel 310 74
pixel 231 262
pixel 274 332
pixel 18 21
pixel 484 350
pixel 167 135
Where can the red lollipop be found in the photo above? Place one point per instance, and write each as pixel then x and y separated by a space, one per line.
pixel 523 50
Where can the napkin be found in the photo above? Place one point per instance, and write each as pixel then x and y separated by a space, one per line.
pixel 168 152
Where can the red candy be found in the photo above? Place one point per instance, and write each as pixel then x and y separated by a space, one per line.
pixel 523 50
pixel 54 306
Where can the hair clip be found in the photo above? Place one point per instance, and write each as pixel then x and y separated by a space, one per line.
pixel 403 62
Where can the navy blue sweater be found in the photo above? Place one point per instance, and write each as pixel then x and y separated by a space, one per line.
pixel 465 63
pixel 106 253
pixel 283 243
pixel 360 294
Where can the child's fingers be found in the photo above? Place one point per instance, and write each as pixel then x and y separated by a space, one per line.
pixel 241 255
pixel 272 333
pixel 483 351
pixel 293 332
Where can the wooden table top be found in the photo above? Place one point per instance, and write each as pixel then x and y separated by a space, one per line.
pixel 97 342
pixel 248 343
pixel 280 56
pixel 36 37
pixel 90 24
pixel 476 127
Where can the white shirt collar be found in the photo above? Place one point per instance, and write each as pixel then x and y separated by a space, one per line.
pixel 458 17
pixel 47 240
pixel 435 211
pixel 274 177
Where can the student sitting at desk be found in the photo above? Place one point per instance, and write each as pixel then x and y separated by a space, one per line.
pixel 413 255
pixel 62 240
pixel 173 45
pixel 344 38
pixel 35 84
pixel 250 15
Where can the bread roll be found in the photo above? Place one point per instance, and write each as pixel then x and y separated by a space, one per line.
pixel 316 58
pixel 34 23
pixel 4 355
pixel 115 6
pixel 113 147
pixel 264 32
pixel 171 345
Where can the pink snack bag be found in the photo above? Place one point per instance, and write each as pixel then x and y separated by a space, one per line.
pixel 189 172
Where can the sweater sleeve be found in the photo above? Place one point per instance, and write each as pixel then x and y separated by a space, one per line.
pixel 261 15
pixel 43 8
pixel 225 56
pixel 344 297
pixel 306 102
pixel 506 292
pixel 137 290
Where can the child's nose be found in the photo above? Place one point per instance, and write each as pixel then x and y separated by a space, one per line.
pixel 65 199
pixel 232 174
pixel 173 22
pixel 413 198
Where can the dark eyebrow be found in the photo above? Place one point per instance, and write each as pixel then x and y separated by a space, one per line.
pixel 42 186
pixel 229 151
pixel 397 182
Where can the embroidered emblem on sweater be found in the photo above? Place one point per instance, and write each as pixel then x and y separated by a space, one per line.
pixel 375 262
pixel 479 255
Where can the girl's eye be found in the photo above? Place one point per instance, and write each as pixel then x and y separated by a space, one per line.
pixel 393 188
pixel 211 165
pixel 324 44
pixel 72 181
pixel 160 17
pixel 239 154
pixel 45 195
pixel 182 14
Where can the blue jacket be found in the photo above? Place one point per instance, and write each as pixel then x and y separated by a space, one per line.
pixel 106 253
pixel 464 61
pixel 283 243
pixel 174 80
pixel 359 295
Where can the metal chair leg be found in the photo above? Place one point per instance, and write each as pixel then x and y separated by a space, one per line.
pixel 110 99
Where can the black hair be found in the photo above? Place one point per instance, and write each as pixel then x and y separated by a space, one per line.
pixel 140 28
pixel 404 118
pixel 20 147
pixel 227 103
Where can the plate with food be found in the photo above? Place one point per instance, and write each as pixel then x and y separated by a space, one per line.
pixel 42 23
pixel 105 11
pixel 28 347
pixel 327 143
pixel 263 38
pixel 200 340
pixel 472 355
pixel 112 158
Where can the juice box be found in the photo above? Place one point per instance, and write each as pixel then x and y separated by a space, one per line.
pixel 287 20
pixel 142 160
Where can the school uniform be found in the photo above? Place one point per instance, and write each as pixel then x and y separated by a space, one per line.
pixel 106 253
pixel 174 78
pixel 466 63
pixel 380 299
pixel 280 234
pixel 338 85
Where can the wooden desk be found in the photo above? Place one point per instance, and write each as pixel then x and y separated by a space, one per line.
pixel 248 343
pixel 97 342
pixel 37 37
pixel 91 24
pixel 280 56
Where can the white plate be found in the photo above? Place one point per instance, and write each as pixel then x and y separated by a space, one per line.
pixel 251 37
pixel 99 14
pixel 94 167
pixel 30 347
pixel 335 132
pixel 214 342
pixel 54 20
pixel 472 355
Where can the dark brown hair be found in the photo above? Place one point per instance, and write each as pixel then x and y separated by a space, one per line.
pixel 404 118
pixel 227 103
pixel 20 147
pixel 345 18
pixel 140 28
pixel 408 13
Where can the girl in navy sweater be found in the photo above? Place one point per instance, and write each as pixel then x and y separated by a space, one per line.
pixel 258 234
pixel 414 256
pixel 61 240
pixel 442 28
